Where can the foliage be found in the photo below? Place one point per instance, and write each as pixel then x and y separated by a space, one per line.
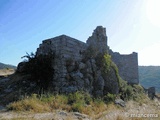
pixel 149 76
pixel 109 97
pixel 107 63
pixel 108 67
pixel 28 104
pixel 131 92
pixel 40 69
pixel 78 101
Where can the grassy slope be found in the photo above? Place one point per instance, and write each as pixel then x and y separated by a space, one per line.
pixel 150 76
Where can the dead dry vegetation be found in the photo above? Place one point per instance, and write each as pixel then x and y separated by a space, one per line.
pixel 64 107
pixel 76 106
pixel 34 109
pixel 6 71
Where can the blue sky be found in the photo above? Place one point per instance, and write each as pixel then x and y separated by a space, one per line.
pixel 131 25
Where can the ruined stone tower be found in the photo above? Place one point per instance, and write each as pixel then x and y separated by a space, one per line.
pixel 98 40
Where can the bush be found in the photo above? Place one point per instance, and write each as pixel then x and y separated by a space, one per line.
pixel 40 69
pixel 28 104
pixel 77 97
pixel 107 63
pixel 109 97
pixel 104 61
pixel 78 101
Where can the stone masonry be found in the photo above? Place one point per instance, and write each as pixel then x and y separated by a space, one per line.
pixel 127 65
pixel 74 72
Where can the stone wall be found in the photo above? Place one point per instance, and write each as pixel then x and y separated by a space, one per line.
pixel 98 40
pixel 63 46
pixel 127 65
pixel 66 48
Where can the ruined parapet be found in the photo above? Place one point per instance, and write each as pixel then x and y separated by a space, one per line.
pixel 98 40
pixel 127 65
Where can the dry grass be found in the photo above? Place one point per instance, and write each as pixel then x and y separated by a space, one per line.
pixel 132 107
pixel 30 104
pixel 61 102
pixel 96 108
pixel 6 72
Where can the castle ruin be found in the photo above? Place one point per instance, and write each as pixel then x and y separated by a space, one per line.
pixel 66 48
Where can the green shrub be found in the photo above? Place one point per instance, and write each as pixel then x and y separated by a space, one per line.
pixel 78 106
pixel 109 97
pixel 47 98
pixel 29 104
pixel 107 63
pixel 76 97
pixel 104 62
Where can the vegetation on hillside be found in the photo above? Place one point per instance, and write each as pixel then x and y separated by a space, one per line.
pixel 74 102
pixel 78 101
pixel 149 76
pixel 39 69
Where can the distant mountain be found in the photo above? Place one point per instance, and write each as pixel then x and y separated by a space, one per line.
pixel 150 76
pixel 2 66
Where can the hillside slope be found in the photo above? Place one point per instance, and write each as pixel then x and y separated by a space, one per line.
pixel 2 66
pixel 150 76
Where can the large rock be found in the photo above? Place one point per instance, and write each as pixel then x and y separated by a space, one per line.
pixel 120 102
pixel 151 92
pixel 81 65
pixel 111 82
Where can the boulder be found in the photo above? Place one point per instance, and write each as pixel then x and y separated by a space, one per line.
pixel 151 92
pixel 120 102
pixel 81 65
pixel 69 89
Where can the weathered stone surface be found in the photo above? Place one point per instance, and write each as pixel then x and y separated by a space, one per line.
pixel 127 65
pixel 120 102
pixel 73 70
pixel 98 40
pixel 76 75
pixel 151 92
pixel 111 82
pixel 69 89
pixel 81 116
pixel 81 65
